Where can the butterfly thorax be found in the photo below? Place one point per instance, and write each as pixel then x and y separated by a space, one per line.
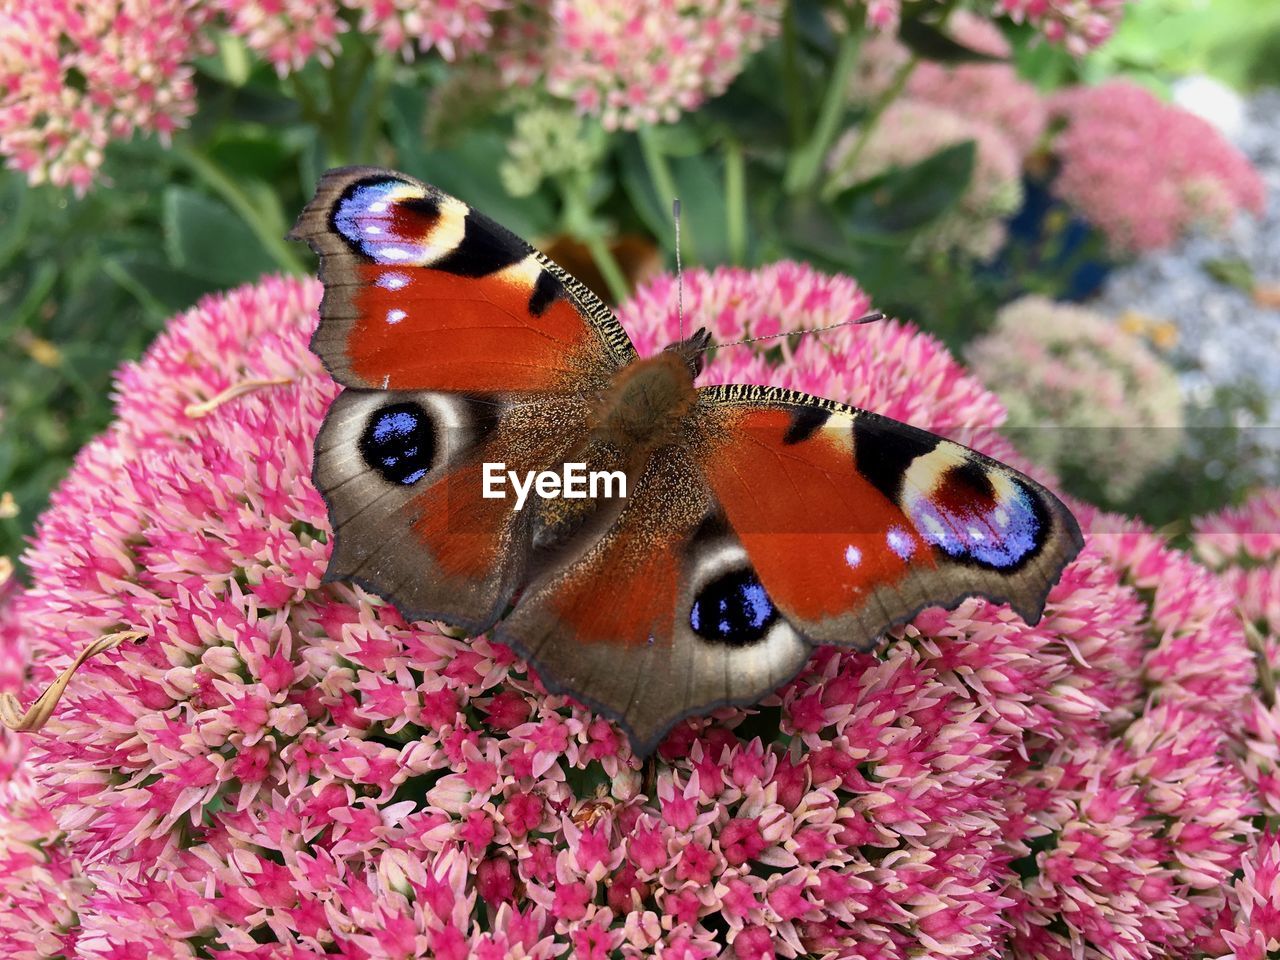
pixel 646 404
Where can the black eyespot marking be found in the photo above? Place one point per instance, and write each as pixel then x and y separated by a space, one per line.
pixel 485 248
pixel 883 452
pixel 545 291
pixel 399 443
pixel 805 421
pixel 733 609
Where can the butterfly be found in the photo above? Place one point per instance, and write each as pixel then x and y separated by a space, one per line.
pixel 757 521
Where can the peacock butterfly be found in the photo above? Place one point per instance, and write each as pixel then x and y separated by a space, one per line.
pixel 758 521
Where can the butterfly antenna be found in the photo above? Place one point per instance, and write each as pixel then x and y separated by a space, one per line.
pixel 675 212
pixel 869 318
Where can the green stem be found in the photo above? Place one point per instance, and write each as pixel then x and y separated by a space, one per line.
pixel 735 197
pixel 269 233
pixel 344 84
pixel 608 266
pixel 383 70
pixel 806 163
pixel 797 103
pixel 576 220
pixel 664 183
pixel 872 120
pixel 300 90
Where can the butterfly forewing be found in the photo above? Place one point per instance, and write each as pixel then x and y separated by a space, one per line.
pixel 424 293
pixel 855 522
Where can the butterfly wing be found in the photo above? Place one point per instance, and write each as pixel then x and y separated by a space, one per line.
pixel 403 475
pixel 424 293
pixel 855 522
pixel 657 618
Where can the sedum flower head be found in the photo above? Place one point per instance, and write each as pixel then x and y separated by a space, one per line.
pixel 286 33
pixel 1143 171
pixel 1079 25
pixel 1084 393
pixel 1243 543
pixel 76 74
pixel 547 143
pixel 451 27
pixel 636 64
pixel 990 92
pixel 287 768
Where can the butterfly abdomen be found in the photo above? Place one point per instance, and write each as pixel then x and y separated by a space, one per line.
pixel 645 405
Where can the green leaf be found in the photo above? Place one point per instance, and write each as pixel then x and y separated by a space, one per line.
pixel 813 26
pixel 638 187
pixel 699 183
pixel 204 238
pixel 15 214
pixel 930 43
pixel 1232 271
pixel 160 288
pixel 906 199
pixel 754 107
pixel 247 152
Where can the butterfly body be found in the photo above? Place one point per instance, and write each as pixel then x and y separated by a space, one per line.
pixel 756 521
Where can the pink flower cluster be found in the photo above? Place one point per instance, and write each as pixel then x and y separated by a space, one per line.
pixel 285 768
pixel 990 92
pixel 453 27
pixel 285 33
pixel 1082 392
pixel 289 33
pixel 1243 543
pixel 1144 171
pixel 1081 25
pixel 75 74
pixel 633 64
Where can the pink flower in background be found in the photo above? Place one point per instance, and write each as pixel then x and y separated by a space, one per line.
pixel 1082 393
pixel 633 64
pixel 1144 172
pixel 286 33
pixel 1080 25
pixel 453 27
pixel 75 75
pixel 909 132
pixel 991 92
pixel 284 768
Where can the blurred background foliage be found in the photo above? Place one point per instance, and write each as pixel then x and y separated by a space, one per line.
pixel 86 281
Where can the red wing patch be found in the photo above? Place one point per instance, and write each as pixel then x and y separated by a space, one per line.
pixel 822 538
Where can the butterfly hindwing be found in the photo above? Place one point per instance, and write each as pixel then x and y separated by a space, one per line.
pixel 661 616
pixel 403 475
pixel 424 293
pixel 855 522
